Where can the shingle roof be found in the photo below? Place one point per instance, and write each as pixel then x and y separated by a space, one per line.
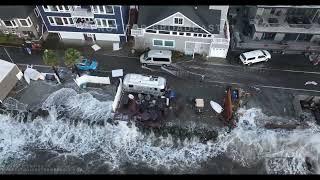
pixel 9 12
pixel 202 15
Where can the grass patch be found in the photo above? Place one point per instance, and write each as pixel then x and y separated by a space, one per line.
pixel 8 39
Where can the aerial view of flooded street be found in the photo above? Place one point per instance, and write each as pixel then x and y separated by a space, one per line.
pixel 216 102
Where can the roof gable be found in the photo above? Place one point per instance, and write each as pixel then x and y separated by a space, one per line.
pixel 208 19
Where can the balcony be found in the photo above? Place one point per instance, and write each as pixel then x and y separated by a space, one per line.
pixel 85 23
pixel 299 22
pixel 81 13
pixel 285 24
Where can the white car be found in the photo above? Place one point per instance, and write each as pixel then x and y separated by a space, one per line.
pixel 255 56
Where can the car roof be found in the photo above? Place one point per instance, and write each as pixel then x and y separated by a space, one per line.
pixel 253 53
pixel 163 53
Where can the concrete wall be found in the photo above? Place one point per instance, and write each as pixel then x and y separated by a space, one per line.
pixel 8 83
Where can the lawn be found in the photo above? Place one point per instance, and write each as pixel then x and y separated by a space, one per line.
pixel 10 40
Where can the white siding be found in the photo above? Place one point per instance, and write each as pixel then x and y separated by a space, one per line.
pixel 107 37
pixel 170 21
pixel 71 35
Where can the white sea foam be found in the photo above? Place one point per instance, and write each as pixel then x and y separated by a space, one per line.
pixel 249 143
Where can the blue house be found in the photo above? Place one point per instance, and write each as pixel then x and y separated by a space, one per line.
pixel 104 24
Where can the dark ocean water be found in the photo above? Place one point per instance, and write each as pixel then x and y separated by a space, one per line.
pixel 57 144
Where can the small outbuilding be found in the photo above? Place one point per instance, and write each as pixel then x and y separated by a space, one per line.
pixel 9 76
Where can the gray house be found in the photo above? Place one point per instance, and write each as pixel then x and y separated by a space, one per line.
pixel 188 29
pixel 9 76
pixel 20 20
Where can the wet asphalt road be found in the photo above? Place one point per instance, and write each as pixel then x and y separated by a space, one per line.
pixel 260 75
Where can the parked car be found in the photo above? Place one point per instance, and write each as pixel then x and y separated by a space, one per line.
pixel 87 65
pixel 255 56
pixel 156 57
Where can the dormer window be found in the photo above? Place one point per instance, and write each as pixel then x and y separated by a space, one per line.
pixel 178 21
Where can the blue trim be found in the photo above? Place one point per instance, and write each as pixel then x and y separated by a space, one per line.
pixel 116 16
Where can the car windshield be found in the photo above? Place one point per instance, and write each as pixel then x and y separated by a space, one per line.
pixel 263 53
pixel 244 58
pixel 145 55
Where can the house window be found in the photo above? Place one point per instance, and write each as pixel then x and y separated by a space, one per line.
pixel 94 9
pixel 199 35
pixel 67 8
pixel 36 12
pixel 204 35
pixel 46 8
pixel 60 8
pixel 178 21
pixel 151 31
pixel 195 35
pixel 157 42
pixel 169 43
pixel 181 33
pixel 23 22
pixel 71 21
pixel 165 43
pixel 209 35
pixel 109 9
pixel 29 20
pixel 174 33
pixel 10 23
pixel 164 32
pixel 65 21
pixel 98 21
pixel 188 34
pixel 13 31
pixel 101 9
pixel 58 21
pixel 53 8
pixel 104 22
pixel 112 23
pixel 51 20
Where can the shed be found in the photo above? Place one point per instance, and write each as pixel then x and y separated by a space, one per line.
pixel 9 76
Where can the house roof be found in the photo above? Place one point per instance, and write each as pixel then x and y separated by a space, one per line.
pixel 9 12
pixel 202 15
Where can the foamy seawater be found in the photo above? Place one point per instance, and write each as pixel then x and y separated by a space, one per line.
pixel 90 147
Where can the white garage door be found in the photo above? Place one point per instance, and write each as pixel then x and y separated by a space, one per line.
pixel 196 47
pixel 218 52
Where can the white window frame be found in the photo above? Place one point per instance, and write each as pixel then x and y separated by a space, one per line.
pixel 36 12
pixel 64 24
pixel 115 22
pixel 104 10
pixel 52 17
pixel 163 43
pixel 26 20
pixel 11 24
pixel 46 9
pixel 174 21
pixel 102 26
pixel 104 7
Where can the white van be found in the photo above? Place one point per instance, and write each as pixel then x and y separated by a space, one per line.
pixel 256 56
pixel 145 84
pixel 156 57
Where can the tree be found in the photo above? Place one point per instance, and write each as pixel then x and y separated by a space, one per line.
pixel 71 57
pixel 50 58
